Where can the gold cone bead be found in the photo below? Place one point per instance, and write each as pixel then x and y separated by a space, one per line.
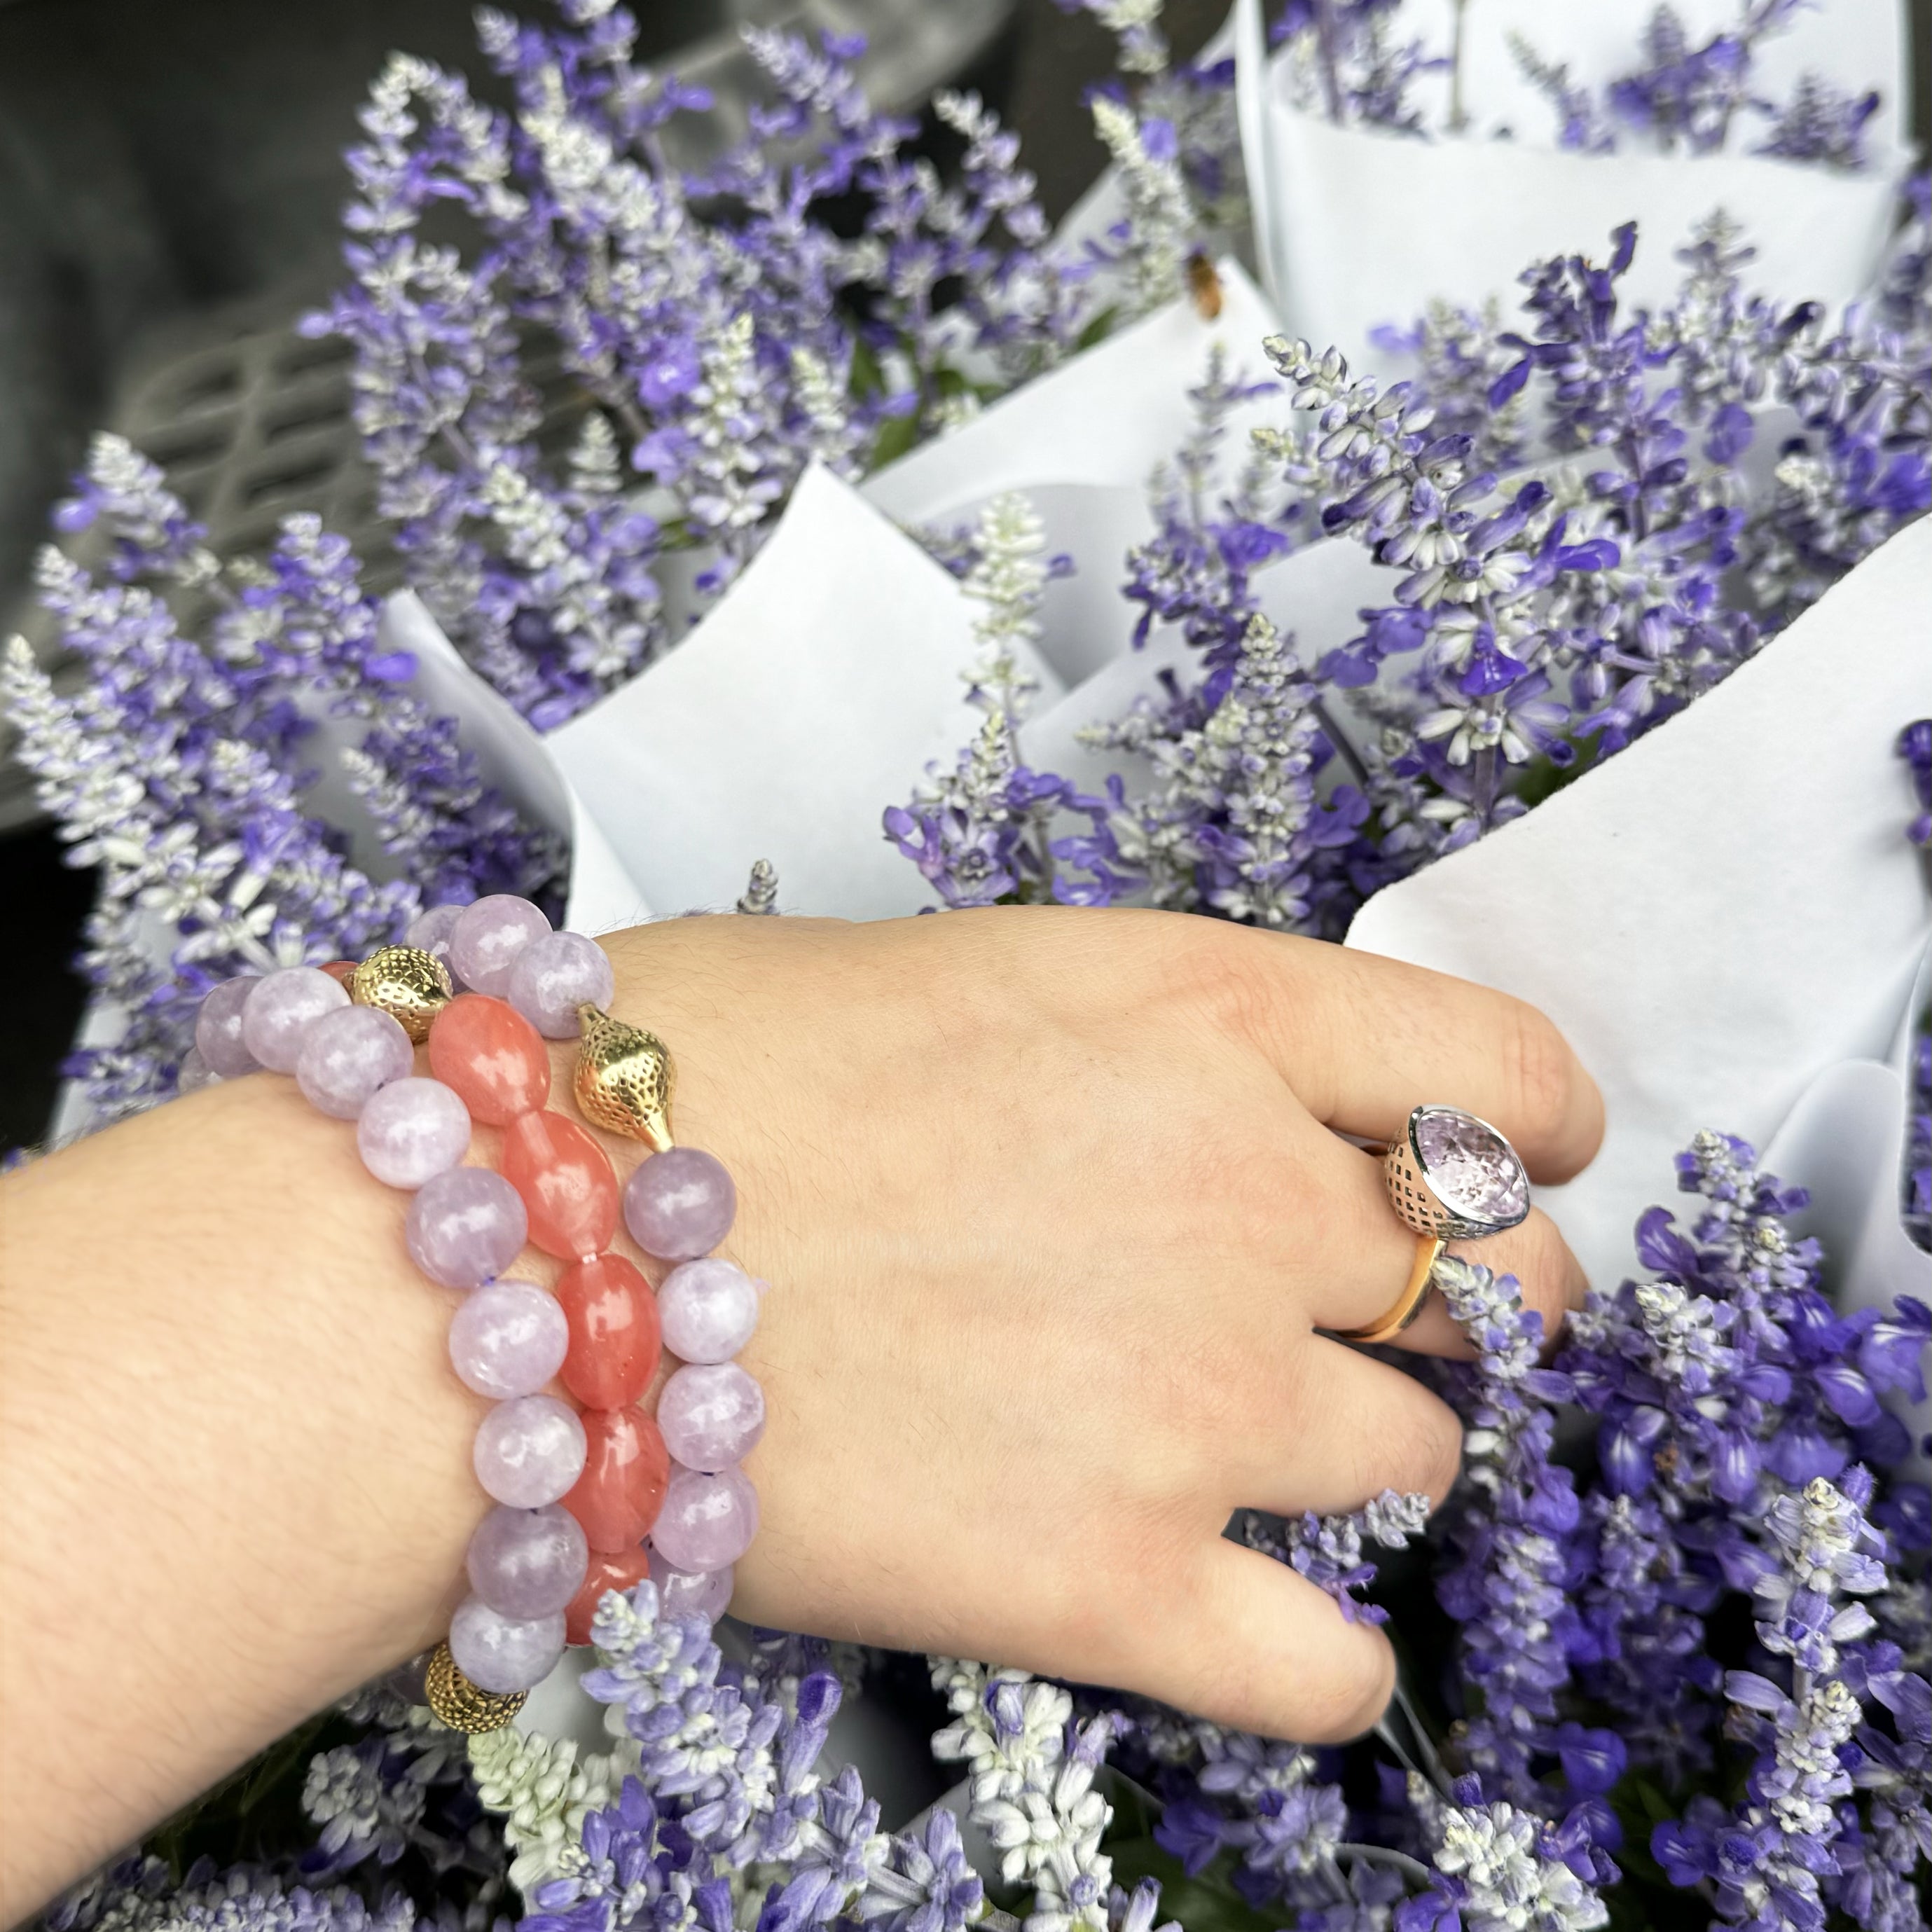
pixel 405 982
pixel 623 1078
pixel 461 1704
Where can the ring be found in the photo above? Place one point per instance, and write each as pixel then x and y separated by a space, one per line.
pixel 1450 1177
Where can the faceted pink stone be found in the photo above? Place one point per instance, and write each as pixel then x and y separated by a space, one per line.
pixel 1475 1171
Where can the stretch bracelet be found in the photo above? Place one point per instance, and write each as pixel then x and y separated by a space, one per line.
pixel 576 1490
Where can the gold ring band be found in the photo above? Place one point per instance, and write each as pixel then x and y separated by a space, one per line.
pixel 1427 1247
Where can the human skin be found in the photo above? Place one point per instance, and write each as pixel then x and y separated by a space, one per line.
pixel 1054 1204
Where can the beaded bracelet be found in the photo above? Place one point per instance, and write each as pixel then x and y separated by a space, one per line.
pixel 576 1494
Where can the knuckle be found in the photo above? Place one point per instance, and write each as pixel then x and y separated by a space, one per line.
pixel 1540 1075
pixel 1334 1704
pixel 1422 1449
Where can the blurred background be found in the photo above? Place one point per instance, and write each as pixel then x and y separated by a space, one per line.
pixel 170 180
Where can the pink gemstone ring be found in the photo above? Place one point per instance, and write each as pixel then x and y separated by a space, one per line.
pixel 1454 1177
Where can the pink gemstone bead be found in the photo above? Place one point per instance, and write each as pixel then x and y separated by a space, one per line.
pixel 195 1073
pixel 346 1055
pixel 711 1417
pixel 411 1130
pixel 684 1593
pixel 680 1204
pixel 466 1226
pixel 492 1059
pixel 707 1309
pixel 282 1009
pixel 707 1521
pixel 528 1452
pixel 429 932
pixel 567 1183
pixel 508 1340
pixel 504 1654
pixel 609 1570
pixel 217 1027
pixel 528 1563
pixel 487 937
pixel 613 1331
pixel 553 976
pixel 625 1468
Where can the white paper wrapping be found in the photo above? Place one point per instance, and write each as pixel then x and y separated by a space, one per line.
pixel 813 696
pixel 1720 913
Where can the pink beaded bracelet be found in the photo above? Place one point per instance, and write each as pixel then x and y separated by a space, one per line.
pixel 576 1495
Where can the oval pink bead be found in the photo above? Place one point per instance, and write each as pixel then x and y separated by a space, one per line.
pixel 504 1654
pixel 508 1340
pixel 707 1309
pixel 410 1131
pixel 707 1521
pixel 553 976
pixel 487 937
pixel 282 1008
pixel 492 1057
pixel 217 1027
pixel 528 1452
pixel 711 1417
pixel 686 1593
pixel 347 1054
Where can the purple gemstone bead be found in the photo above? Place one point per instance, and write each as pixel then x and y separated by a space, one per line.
pixel 680 1204
pixel 412 1130
pixel 707 1310
pixel 282 1009
pixel 553 975
pixel 487 937
pixel 504 1654
pixel 529 1452
pixel 217 1027
pixel 466 1226
pixel 1475 1171
pixel 195 1073
pixel 346 1054
pixel 429 931
pixel 685 1593
pixel 707 1521
pixel 528 1563
pixel 508 1340
pixel 711 1417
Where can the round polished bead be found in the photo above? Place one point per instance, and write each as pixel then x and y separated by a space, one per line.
pixel 508 1339
pixel 711 1417
pixel 528 1563
pixel 217 1027
pixel 346 1055
pixel 613 1331
pixel 687 1593
pixel 411 1130
pixel 528 1452
pixel 466 1226
pixel 194 1073
pixel 282 1008
pixel 567 1183
pixel 680 1204
pixel 625 1468
pixel 707 1521
pixel 553 976
pixel 608 1570
pixel 491 1057
pixel 429 932
pixel 486 938
pixel 708 1310
pixel 503 1654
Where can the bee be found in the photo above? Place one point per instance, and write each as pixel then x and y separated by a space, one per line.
pixel 1204 286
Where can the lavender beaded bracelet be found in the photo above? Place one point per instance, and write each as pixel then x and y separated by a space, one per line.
pixel 559 1489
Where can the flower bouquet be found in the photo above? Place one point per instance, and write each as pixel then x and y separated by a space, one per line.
pixel 1588 662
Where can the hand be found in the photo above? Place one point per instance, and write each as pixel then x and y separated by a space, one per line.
pixel 1053 1204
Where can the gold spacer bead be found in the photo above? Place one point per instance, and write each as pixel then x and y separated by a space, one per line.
pixel 461 1704
pixel 623 1079
pixel 405 982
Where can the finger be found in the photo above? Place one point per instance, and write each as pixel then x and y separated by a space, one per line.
pixel 1230 1635
pixel 1347 1427
pixel 1363 1041
pixel 1358 1257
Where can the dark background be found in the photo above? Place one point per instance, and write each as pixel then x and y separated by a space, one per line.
pixel 158 157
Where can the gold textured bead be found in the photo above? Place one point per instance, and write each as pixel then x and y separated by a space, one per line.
pixel 462 1704
pixel 623 1078
pixel 405 982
